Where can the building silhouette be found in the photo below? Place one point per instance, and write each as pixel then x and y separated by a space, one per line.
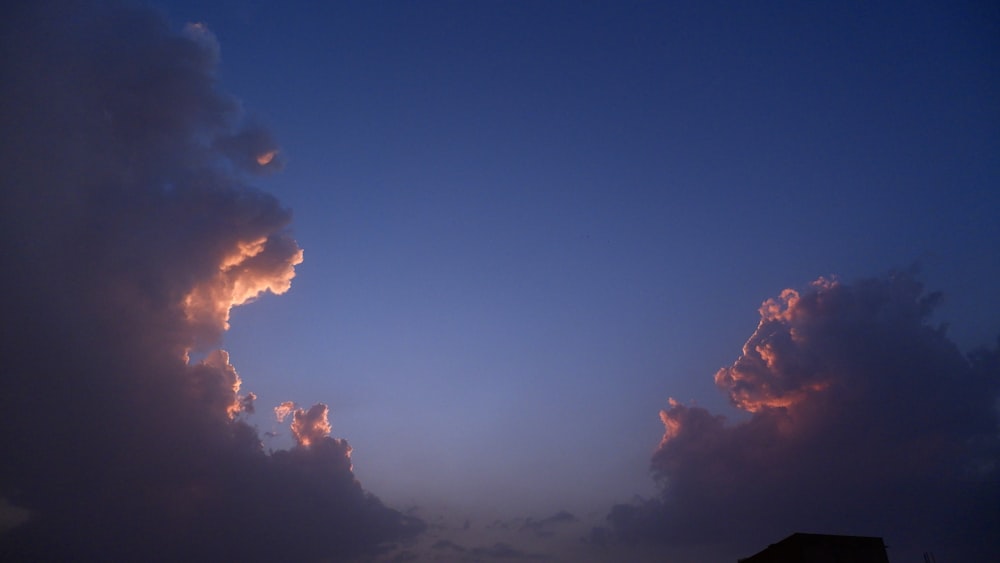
pixel 822 548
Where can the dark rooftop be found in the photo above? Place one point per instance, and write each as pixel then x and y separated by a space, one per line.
pixel 822 548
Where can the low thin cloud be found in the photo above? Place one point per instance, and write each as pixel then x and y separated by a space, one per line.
pixel 447 545
pixel 545 526
pixel 129 233
pixel 863 418
pixel 502 550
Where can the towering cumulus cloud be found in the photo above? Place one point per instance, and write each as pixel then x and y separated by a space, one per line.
pixel 864 419
pixel 128 234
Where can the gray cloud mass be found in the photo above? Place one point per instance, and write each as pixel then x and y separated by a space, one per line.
pixel 128 234
pixel 863 418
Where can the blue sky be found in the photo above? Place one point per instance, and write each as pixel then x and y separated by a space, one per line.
pixel 527 225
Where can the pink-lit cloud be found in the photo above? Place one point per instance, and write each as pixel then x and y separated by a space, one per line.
pixel 244 273
pixel 310 426
pixel 863 418
pixel 215 385
pixel 282 411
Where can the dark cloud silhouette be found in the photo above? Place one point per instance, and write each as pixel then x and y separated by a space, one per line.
pixel 864 419
pixel 128 234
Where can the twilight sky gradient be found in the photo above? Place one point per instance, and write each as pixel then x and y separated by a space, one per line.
pixel 526 229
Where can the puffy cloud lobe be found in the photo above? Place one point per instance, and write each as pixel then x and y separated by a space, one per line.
pixel 772 372
pixel 215 386
pixel 128 234
pixel 310 426
pixel 282 411
pixel 864 419
pixel 250 269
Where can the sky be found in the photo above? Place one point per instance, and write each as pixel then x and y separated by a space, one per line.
pixel 463 281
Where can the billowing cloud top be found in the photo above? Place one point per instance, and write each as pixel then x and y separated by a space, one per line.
pixel 128 234
pixel 865 419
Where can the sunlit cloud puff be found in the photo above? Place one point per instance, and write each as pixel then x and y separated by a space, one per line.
pixel 244 273
pixel 309 426
pixel 129 233
pixel 864 418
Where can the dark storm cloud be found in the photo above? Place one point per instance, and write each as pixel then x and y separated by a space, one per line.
pixel 128 234
pixel 865 419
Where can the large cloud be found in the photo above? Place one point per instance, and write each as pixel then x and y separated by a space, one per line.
pixel 864 419
pixel 128 234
